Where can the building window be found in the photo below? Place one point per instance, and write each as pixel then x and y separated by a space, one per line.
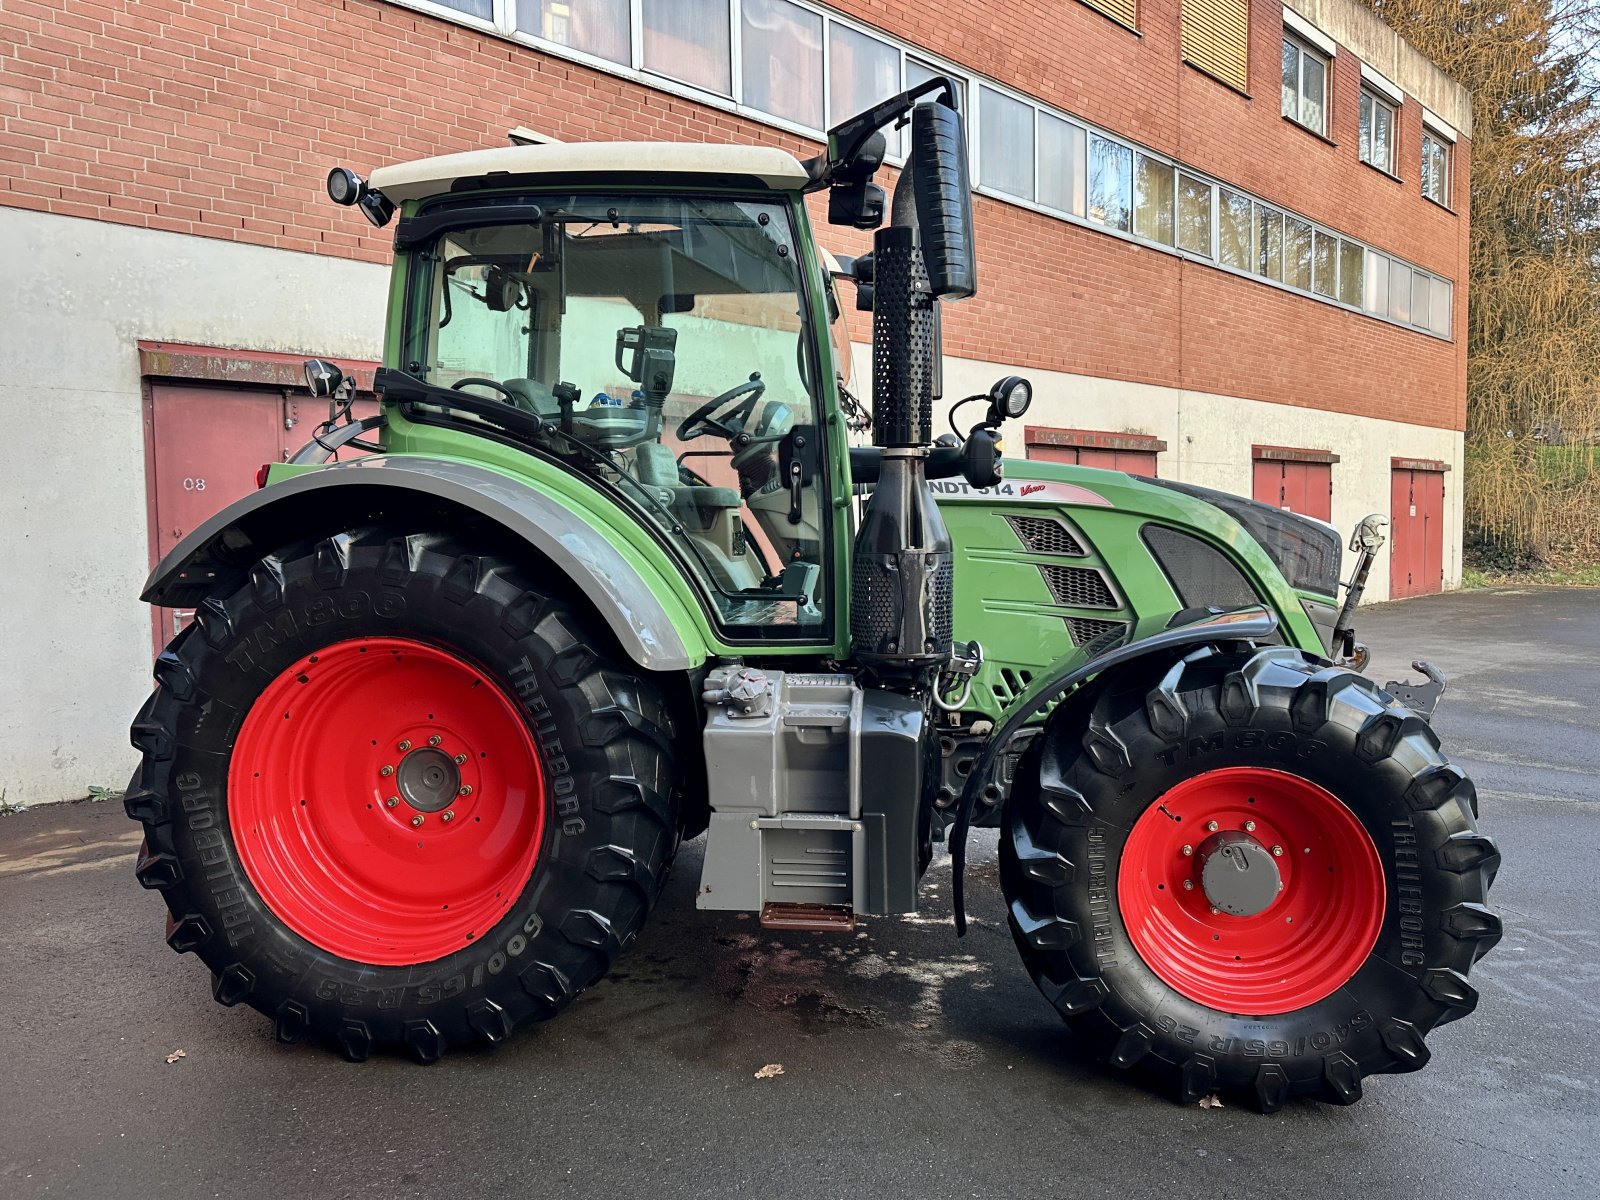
pixel 1110 183
pixel 780 48
pixel 1233 230
pixel 1324 266
pixel 1005 139
pixel 1435 167
pixel 1216 38
pixel 1153 199
pixel 482 9
pixel 1125 11
pixel 1194 215
pixel 1352 271
pixel 689 40
pixel 1305 85
pixel 1269 242
pixel 1063 167
pixel 598 27
pixel 1377 131
pixel 865 71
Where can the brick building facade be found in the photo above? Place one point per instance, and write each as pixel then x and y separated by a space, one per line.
pixel 161 183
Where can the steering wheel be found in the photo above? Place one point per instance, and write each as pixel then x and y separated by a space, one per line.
pixel 474 381
pixel 701 421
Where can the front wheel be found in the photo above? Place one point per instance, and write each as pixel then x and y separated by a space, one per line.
pixel 397 796
pixel 1254 873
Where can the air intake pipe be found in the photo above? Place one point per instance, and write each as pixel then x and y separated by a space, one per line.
pixel 900 611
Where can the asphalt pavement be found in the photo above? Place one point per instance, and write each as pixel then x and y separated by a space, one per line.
pixel 914 1063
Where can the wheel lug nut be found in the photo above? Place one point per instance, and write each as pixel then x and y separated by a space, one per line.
pixel 1187 851
pixel 435 740
pixel 1215 910
pixel 392 801
pixel 460 758
pixel 447 815
pixel 416 820
pixel 1249 826
pixel 1188 885
pixel 404 746
pixel 1211 826
pixel 1277 852
pixel 386 770
pixel 466 789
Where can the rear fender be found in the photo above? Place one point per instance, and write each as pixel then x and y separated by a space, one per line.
pixel 1151 638
pixel 650 630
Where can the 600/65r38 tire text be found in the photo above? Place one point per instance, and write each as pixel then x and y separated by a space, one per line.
pixel 1253 873
pixel 394 795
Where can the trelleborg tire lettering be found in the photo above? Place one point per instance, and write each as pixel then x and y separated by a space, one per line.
pixel 1109 759
pixel 604 741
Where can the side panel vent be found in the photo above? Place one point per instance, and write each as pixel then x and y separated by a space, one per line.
pixel 1088 629
pixel 1046 535
pixel 1200 574
pixel 1078 587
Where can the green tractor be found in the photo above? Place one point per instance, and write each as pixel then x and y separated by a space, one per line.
pixel 607 571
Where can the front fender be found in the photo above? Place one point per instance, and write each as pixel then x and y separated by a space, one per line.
pixel 649 631
pixel 1150 637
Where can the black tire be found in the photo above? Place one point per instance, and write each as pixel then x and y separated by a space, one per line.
pixel 605 738
pixel 1105 760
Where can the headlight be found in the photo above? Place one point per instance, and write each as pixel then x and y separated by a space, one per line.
pixel 345 186
pixel 1010 398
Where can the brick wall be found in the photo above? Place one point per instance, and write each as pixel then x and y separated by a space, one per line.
pixel 220 119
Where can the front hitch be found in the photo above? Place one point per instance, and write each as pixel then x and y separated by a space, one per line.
pixel 1365 542
pixel 1421 698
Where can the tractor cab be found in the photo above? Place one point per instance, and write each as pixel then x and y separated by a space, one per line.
pixel 662 345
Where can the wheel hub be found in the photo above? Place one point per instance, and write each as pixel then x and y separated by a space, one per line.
pixel 1238 874
pixel 428 779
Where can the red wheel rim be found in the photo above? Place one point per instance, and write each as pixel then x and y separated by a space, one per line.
pixel 338 790
pixel 1304 944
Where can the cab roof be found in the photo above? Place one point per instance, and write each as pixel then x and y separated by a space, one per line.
pixel 763 165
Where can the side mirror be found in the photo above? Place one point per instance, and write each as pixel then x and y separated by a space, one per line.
pixel 943 195
pixel 322 377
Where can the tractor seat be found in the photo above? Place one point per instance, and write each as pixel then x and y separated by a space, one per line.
pixel 697 505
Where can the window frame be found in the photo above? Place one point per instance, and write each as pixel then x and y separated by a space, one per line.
pixel 1370 95
pixel 1447 154
pixel 1303 50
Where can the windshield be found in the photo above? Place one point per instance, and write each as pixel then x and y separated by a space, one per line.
pixel 664 341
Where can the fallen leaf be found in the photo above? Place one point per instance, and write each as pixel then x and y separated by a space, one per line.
pixel 1211 1101
pixel 919 1024
pixel 176 1055
pixel 768 1071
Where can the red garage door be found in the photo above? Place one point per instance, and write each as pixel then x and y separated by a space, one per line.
pixel 1298 480
pixel 205 441
pixel 1416 515
pixel 1134 453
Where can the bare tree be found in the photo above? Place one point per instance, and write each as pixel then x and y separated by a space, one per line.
pixel 1533 349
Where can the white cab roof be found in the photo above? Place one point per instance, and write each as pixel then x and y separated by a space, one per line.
pixel 773 168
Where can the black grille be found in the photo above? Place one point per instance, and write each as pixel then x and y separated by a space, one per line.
pixel 1201 575
pixel 1079 587
pixel 1045 535
pixel 1088 629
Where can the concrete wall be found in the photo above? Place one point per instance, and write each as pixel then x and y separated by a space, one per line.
pixel 74 638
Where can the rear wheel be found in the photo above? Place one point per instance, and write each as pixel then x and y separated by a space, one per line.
pixel 1253 874
pixel 394 795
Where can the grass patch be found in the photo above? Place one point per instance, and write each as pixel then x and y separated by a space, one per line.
pixel 1581 576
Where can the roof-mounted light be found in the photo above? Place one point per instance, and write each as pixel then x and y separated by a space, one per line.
pixel 345 186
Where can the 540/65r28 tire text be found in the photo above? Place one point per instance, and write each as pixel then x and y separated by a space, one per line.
pixel 395 795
